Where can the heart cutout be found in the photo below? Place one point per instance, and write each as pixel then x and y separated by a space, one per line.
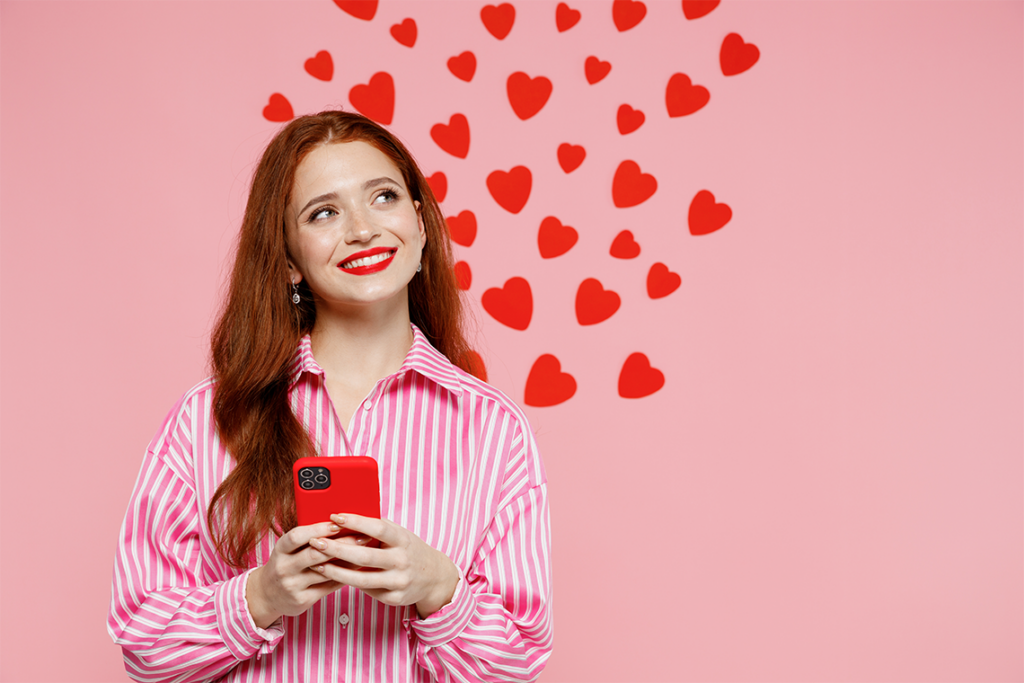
pixel 463 275
pixel 624 246
pixel 527 95
pixel 278 109
pixel 627 13
pixel 629 119
pixel 661 281
pixel 375 100
pixel 682 97
pixel 511 189
pixel 360 9
pixel 737 56
pixel 454 137
pixel 463 66
pixel 321 66
pixel 638 379
pixel 705 215
pixel 631 187
pixel 695 9
pixel 511 304
pixel 462 228
pixel 565 17
pixel 547 385
pixel 498 19
pixel 405 33
pixel 570 156
pixel 474 365
pixel 555 239
pixel 595 69
pixel 438 185
pixel 594 303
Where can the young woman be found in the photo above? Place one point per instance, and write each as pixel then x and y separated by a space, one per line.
pixel 341 335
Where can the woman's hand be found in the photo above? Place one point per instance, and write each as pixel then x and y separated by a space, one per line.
pixel 286 585
pixel 404 570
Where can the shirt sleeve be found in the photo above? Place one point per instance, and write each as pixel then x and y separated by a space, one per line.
pixel 498 626
pixel 169 622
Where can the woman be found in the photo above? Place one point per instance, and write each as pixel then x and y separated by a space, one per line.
pixel 338 338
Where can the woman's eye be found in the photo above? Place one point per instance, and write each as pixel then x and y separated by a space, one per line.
pixel 385 197
pixel 321 213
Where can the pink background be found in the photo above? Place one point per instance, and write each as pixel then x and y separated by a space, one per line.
pixel 828 487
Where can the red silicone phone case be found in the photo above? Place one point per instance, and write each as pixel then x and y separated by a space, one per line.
pixel 354 488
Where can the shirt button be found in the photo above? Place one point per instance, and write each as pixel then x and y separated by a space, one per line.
pixel 343 620
pixel 367 405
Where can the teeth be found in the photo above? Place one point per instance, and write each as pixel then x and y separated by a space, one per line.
pixel 368 260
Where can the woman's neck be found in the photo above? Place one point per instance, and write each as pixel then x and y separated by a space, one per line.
pixel 362 346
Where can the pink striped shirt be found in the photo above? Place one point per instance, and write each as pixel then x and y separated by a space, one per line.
pixel 458 467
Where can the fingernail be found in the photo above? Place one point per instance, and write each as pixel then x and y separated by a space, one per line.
pixel 319 568
pixel 338 519
pixel 318 543
pixel 335 528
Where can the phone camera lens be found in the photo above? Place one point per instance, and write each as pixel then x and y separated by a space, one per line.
pixel 307 484
pixel 321 479
pixel 306 473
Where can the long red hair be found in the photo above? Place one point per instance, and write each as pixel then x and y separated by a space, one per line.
pixel 255 339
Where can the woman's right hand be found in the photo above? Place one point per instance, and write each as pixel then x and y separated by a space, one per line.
pixel 285 585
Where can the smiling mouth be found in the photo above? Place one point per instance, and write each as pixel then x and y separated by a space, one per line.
pixel 365 261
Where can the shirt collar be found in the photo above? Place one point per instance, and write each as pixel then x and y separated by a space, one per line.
pixel 422 358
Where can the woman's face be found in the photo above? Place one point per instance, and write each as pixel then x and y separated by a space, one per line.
pixel 353 231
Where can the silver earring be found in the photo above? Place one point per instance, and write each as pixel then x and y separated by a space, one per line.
pixel 295 294
pixel 419 267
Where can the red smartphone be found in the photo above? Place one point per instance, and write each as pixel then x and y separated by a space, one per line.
pixel 327 486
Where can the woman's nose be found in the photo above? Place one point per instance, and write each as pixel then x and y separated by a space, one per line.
pixel 360 228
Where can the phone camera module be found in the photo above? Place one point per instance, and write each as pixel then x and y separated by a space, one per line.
pixel 314 478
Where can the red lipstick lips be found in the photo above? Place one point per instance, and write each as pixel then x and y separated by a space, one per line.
pixel 376 259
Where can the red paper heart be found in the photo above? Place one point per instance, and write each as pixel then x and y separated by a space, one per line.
pixel 565 17
pixel 624 246
pixel 705 215
pixel 321 66
pixel 405 33
pixel 629 119
pixel 510 305
pixel 554 239
pixel 475 365
pixel 462 228
pixel 512 189
pixel 375 100
pixel 682 97
pixel 453 138
pixel 661 281
pixel 547 385
pixel 627 13
pixel 463 275
pixel 594 303
pixel 463 66
pixel 498 20
pixel 595 69
pixel 695 9
pixel 570 156
pixel 631 187
pixel 638 379
pixel 279 109
pixel 527 95
pixel 360 9
pixel 439 186
pixel 737 56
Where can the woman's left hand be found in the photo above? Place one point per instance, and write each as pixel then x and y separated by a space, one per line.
pixel 404 570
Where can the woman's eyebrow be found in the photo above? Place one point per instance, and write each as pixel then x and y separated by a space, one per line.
pixel 317 199
pixel 383 180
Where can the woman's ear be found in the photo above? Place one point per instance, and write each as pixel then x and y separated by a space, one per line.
pixel 419 219
pixel 294 276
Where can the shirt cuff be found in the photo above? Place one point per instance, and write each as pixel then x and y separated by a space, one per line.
pixel 448 622
pixel 242 636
